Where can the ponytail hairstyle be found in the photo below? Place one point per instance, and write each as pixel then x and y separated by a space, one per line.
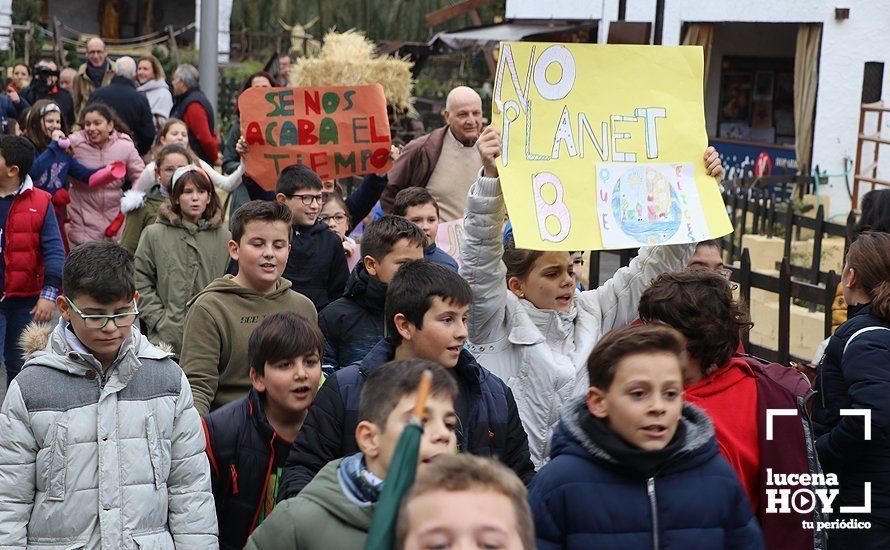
pixel 869 255
pixel 519 261
pixel 109 114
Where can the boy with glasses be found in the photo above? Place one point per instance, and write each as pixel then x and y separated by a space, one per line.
pixel 102 446
pixel 316 266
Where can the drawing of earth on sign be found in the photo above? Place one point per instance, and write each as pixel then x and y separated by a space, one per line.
pixel 648 204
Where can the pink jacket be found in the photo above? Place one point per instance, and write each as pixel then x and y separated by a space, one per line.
pixel 92 210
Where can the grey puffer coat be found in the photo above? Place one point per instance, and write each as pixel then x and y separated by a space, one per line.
pixel 111 460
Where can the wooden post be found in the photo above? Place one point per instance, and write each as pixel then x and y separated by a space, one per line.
pixel 744 215
pixel 593 275
pixel 789 229
pixel 784 312
pixel 29 34
pixel 736 246
pixel 851 223
pixel 817 245
pixel 174 49
pixel 744 281
pixel 58 49
pixel 830 289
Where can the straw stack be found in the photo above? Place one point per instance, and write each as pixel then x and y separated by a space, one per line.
pixel 347 59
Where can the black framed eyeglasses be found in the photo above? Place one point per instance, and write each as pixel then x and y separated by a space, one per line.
pixel 121 320
pixel 308 199
pixel 336 218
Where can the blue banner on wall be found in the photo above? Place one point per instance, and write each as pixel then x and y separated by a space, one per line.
pixel 751 159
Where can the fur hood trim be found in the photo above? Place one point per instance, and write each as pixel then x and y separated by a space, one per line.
pixel 166 215
pixel 35 338
pixel 133 200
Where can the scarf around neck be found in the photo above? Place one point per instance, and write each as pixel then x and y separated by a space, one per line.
pixel 644 462
pixel 96 74
pixel 358 483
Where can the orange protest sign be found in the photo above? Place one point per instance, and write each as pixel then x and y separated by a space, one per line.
pixel 337 131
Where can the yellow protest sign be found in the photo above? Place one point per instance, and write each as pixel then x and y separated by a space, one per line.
pixel 603 145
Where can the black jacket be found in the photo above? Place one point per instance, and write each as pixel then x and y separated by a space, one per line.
pixel 353 324
pixel 38 90
pixel 180 104
pixel 132 107
pixel 587 496
pixel 858 378
pixel 362 200
pixel 489 420
pixel 316 265
pixel 243 449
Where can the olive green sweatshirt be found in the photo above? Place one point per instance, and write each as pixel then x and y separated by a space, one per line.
pixel 217 330
pixel 321 517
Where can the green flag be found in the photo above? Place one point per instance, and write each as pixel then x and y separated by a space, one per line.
pixel 399 476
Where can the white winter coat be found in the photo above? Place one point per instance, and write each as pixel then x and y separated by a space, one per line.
pixel 159 99
pixel 542 354
pixel 90 465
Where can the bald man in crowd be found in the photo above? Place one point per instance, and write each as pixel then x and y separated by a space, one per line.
pixel 66 78
pixel 444 161
pixel 97 71
pixel 130 105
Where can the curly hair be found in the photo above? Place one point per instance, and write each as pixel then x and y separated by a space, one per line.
pixel 699 304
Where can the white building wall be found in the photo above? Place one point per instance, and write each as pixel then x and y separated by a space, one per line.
pixel 5 22
pixel 846 46
pixel 224 39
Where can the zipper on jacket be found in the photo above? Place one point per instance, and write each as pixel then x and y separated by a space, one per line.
pixel 256 514
pixel 233 473
pixel 653 505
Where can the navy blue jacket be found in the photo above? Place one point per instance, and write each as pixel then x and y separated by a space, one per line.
pixel 489 420
pixel 353 324
pixel 10 111
pixel 436 254
pixel 132 107
pixel 316 265
pixel 242 448
pixel 856 379
pixel 583 498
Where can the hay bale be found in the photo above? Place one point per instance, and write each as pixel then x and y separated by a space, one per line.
pixel 347 59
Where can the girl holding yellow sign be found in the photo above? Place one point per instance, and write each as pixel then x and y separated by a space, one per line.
pixel 533 328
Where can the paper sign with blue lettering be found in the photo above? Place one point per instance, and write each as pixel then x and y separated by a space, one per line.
pixel 603 146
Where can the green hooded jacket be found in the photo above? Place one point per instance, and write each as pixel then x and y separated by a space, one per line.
pixel 175 260
pixel 321 517
pixel 217 330
pixel 140 218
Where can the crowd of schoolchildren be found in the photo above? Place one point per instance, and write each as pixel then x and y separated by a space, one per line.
pixel 181 375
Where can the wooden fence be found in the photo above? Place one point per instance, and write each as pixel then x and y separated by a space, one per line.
pixel 766 206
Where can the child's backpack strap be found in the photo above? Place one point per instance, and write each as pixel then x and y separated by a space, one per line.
pixel 860 331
